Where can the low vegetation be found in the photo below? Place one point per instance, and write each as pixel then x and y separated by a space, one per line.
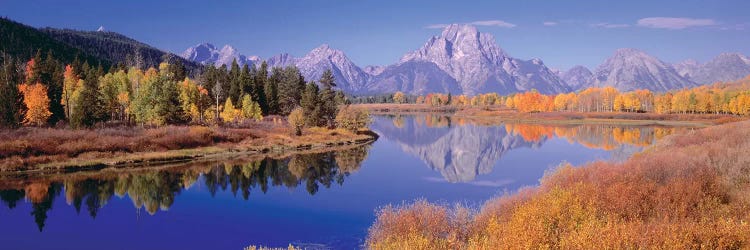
pixel 689 191
pixel 353 119
pixel 31 148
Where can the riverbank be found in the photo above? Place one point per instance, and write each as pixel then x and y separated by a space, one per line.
pixel 688 191
pixel 63 150
pixel 494 114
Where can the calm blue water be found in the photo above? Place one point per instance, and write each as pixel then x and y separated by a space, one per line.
pixel 320 200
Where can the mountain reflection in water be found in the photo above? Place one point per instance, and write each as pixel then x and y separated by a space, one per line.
pixel 461 149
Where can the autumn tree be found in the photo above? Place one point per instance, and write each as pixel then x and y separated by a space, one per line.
pixel 297 120
pixel 115 90
pixel 230 113
pixel 399 97
pixel 352 119
pixel 71 84
pixel 251 109
pixel 37 103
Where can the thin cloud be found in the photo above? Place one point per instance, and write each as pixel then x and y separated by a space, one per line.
pixel 436 26
pixel 674 23
pixel 494 23
pixel 550 23
pixel 610 25
pixel 491 23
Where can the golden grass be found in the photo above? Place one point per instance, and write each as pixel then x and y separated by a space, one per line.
pixel 689 191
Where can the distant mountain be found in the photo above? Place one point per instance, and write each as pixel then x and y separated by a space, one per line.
pixel 723 68
pixel 687 68
pixel 577 77
pixel 631 69
pixel 413 77
pixel 208 54
pixel 114 48
pixel 22 42
pixel 479 65
pixel 281 60
pixel 349 77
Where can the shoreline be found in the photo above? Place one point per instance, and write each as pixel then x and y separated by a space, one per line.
pixel 16 180
pixel 273 144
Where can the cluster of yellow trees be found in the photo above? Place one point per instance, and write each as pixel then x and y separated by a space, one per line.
pixel 148 97
pixel 720 98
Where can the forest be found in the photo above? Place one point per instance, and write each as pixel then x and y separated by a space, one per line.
pixel 42 91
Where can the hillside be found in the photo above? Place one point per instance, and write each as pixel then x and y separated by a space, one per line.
pixel 22 41
pixel 114 47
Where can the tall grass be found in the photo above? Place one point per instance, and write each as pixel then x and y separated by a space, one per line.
pixel 690 191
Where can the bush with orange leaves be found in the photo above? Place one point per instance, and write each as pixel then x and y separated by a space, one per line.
pixel 689 191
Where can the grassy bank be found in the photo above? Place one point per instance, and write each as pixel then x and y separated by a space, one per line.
pixel 689 191
pixel 47 149
pixel 500 114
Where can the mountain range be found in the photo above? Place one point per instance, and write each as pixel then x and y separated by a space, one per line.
pixel 459 60
pixel 462 60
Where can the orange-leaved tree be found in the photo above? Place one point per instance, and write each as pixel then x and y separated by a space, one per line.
pixel 37 103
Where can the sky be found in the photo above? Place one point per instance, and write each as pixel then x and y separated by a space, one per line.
pixel 561 33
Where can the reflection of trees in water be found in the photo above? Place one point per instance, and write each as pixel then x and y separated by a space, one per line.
pixel 607 137
pixel 156 190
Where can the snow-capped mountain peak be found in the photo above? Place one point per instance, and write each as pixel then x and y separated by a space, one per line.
pixel 630 69
pixel 348 75
pixel 206 53
pixel 479 65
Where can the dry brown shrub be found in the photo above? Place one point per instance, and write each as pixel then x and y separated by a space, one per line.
pixel 690 191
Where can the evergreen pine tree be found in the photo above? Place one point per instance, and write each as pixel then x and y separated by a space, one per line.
pixel 328 106
pixel 89 102
pixel 310 104
pixel 271 90
pixel 261 77
pixel 10 98
pixel 235 82
pixel 290 89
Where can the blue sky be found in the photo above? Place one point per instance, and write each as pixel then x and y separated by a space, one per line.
pixel 561 33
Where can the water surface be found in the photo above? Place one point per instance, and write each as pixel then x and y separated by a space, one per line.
pixel 324 200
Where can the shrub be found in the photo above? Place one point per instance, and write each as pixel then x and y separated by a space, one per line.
pixel 353 119
pixel 297 120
